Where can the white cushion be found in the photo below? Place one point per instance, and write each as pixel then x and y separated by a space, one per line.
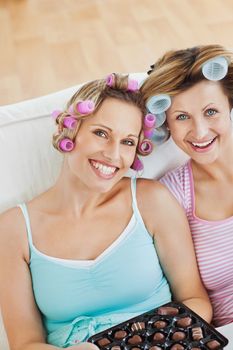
pixel 29 164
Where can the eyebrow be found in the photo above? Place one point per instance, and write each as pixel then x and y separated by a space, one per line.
pixel 106 127
pixel 211 103
pixel 180 111
pixel 183 111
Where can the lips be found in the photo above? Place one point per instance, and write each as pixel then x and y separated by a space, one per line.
pixel 103 169
pixel 202 146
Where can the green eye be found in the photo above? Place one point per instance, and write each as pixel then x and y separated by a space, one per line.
pixel 182 117
pixel 128 142
pixel 100 133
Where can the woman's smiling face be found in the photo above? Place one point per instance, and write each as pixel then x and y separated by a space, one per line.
pixel 105 145
pixel 199 121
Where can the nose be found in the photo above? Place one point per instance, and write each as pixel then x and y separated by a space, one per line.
pixel 200 128
pixel 112 151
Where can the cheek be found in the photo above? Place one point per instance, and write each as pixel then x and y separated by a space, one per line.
pixel 177 130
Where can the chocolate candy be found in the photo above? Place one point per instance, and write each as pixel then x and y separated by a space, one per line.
pixel 184 322
pixel 159 337
pixel 177 347
pixel 120 334
pixel 172 326
pixel 178 336
pixel 135 339
pixel 213 345
pixel 137 326
pixel 160 324
pixel 103 342
pixel 197 333
pixel 168 310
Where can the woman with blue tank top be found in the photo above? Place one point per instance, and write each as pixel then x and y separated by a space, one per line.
pixel 97 248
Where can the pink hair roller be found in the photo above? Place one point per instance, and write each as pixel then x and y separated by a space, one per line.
pixel 70 122
pixel 149 124
pixel 110 80
pixel 137 164
pixel 145 147
pixel 148 133
pixel 85 107
pixel 132 85
pixel 55 114
pixel 66 145
pixel 149 120
pixel 71 109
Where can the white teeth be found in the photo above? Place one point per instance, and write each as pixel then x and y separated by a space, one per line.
pixel 104 169
pixel 201 144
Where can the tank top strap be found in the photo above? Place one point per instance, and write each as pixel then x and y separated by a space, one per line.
pixel 134 200
pixel 24 210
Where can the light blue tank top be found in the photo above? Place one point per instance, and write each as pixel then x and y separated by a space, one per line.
pixel 122 282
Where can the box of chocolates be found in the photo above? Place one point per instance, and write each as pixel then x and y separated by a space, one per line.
pixel 172 326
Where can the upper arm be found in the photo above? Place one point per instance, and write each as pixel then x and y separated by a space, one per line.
pixel 20 315
pixel 167 222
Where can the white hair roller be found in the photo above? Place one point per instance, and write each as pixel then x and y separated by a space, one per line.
pixel 158 104
pixel 215 69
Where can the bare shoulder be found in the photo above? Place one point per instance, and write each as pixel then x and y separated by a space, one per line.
pixel 155 202
pixel 152 191
pixel 12 231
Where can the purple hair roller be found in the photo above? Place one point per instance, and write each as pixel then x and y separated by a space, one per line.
pixel 132 85
pixel 85 107
pixel 70 122
pixel 149 120
pixel 71 109
pixel 145 147
pixel 66 145
pixel 55 114
pixel 148 133
pixel 137 164
pixel 110 80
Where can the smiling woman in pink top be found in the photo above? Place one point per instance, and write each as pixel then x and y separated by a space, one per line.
pixel 198 83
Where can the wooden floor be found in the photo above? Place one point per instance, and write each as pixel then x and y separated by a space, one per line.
pixel 48 45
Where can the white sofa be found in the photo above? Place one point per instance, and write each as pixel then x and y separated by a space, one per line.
pixel 29 164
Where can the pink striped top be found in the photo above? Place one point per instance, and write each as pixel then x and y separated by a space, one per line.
pixel 213 241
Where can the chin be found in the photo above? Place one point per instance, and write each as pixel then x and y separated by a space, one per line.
pixel 205 160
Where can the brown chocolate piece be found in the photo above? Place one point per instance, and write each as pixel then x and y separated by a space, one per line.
pixel 213 345
pixel 184 322
pixel 160 337
pixel 197 333
pixel 135 339
pixel 137 326
pixel 168 310
pixel 116 347
pixel 178 336
pixel 135 348
pixel 160 324
pixel 177 347
pixel 103 342
pixel 196 349
pixel 155 347
pixel 120 334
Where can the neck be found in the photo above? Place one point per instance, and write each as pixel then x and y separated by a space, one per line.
pixel 74 198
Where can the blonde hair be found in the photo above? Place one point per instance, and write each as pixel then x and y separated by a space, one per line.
pixel 96 91
pixel 178 70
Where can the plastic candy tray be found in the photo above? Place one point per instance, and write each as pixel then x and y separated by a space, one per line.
pixel 172 326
